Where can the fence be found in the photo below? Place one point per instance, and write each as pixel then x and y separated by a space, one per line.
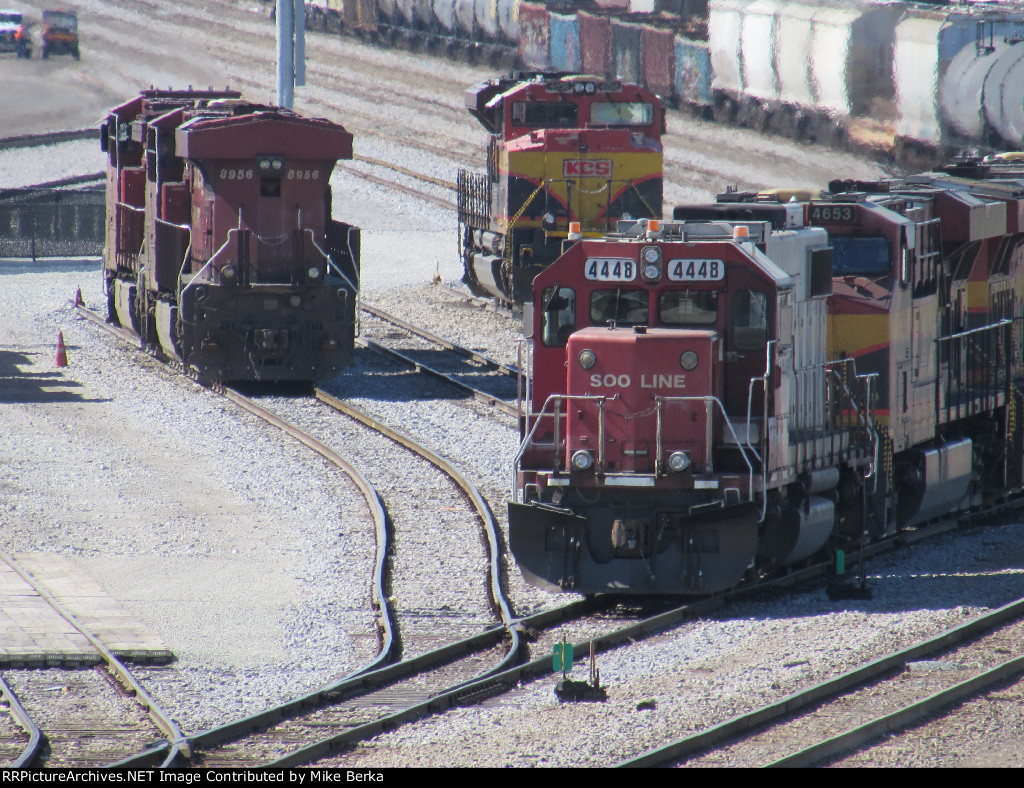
pixel 51 223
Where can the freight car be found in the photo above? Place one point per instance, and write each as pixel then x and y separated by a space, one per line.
pixel 220 248
pixel 915 82
pixel 473 30
pixel 754 383
pixel 563 148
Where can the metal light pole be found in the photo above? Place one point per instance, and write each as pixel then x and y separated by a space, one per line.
pixel 291 50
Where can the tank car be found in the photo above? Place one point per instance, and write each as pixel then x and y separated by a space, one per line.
pixel 563 148
pixel 754 384
pixel 806 69
pixel 959 76
pixel 220 248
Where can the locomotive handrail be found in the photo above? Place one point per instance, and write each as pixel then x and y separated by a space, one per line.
pixel 556 415
pixel 866 421
pixel 202 270
pixel 330 262
pixel 706 399
pixel 764 422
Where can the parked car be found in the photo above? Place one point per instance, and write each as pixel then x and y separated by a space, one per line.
pixel 60 34
pixel 14 36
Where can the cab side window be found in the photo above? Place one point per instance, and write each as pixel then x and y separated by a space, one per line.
pixel 749 320
pixel 558 319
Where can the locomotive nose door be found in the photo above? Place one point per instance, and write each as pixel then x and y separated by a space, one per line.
pixel 749 320
pixel 588 182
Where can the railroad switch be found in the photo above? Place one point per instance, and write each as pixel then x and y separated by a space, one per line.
pixel 568 690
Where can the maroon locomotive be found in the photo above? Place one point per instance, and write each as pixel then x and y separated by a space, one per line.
pixel 757 383
pixel 220 248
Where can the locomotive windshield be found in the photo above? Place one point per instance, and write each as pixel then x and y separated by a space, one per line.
pixel 859 255
pixel 688 307
pixel 621 113
pixel 623 307
pixel 545 114
pixel 559 316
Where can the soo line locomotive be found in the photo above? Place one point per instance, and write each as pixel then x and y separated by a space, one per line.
pixel 760 381
pixel 220 248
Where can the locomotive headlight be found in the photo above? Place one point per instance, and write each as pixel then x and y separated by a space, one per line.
pixel 650 268
pixel 295 301
pixel 579 87
pixel 678 461
pixel 227 273
pixel 591 87
pixel 270 163
pixel 548 221
pixel 582 460
pixel 313 272
pixel 688 360
pixel 587 358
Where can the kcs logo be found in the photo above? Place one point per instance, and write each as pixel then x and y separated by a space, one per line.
pixel 589 168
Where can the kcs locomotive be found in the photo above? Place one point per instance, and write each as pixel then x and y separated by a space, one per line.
pixel 758 382
pixel 563 148
pixel 220 248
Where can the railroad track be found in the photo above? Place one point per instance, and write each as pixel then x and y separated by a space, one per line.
pixel 460 367
pixel 847 712
pixel 75 721
pixel 514 313
pixel 21 741
pixel 402 704
pixel 48 138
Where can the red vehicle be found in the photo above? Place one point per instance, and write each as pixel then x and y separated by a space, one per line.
pixel 757 383
pixel 221 250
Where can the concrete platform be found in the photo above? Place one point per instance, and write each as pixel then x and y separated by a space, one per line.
pixel 33 634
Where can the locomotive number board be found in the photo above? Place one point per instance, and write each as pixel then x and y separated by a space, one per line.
pixel 696 270
pixel 610 269
pixel 831 213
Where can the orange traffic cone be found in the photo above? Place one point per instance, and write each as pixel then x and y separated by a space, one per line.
pixel 62 352
pixel 78 297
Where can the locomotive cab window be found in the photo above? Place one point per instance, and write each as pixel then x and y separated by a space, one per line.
pixel 688 307
pixel 860 256
pixel 621 113
pixel 622 307
pixel 558 319
pixel 749 320
pixel 545 114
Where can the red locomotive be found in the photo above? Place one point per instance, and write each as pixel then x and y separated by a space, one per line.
pixel 563 148
pixel 758 382
pixel 220 247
